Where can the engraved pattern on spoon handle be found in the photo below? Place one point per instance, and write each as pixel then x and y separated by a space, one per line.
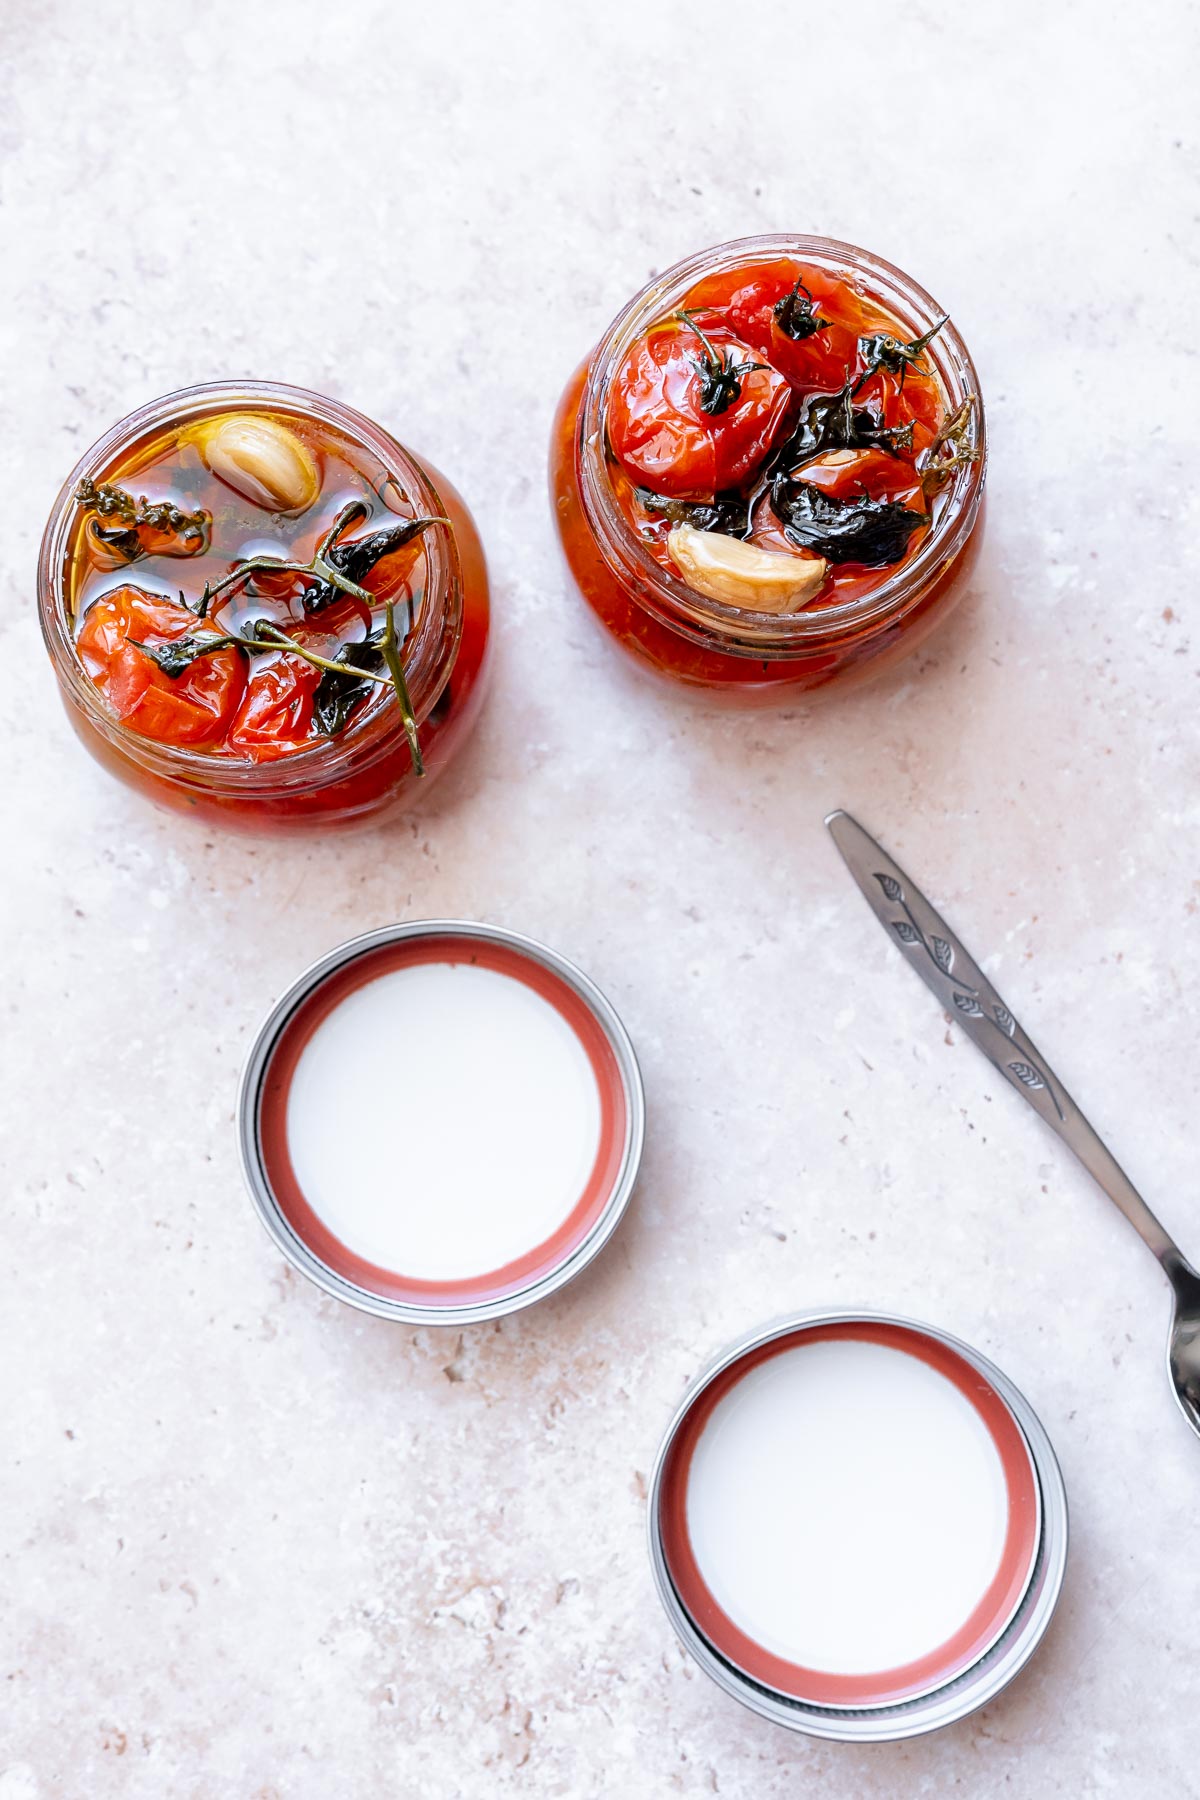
pixel 948 969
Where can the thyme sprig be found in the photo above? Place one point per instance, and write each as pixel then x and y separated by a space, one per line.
pixel 180 653
pixel 953 447
pixel 322 566
pixel 354 558
pixel 795 314
pixel 119 519
pixel 720 376
pixel 389 644
pixel 883 350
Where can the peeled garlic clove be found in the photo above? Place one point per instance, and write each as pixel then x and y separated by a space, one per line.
pixel 740 574
pixel 262 460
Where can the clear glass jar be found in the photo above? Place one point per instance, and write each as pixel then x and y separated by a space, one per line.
pixel 366 771
pixel 728 650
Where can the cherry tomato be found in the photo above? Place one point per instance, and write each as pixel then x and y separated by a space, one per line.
pixel 194 707
pixel 396 576
pixel 276 713
pixel 825 359
pixel 663 434
pixel 848 474
pixel 918 399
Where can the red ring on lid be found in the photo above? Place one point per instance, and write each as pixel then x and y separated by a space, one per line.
pixel 988 1620
pixel 444 947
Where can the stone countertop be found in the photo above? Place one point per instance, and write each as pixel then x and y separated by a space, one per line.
pixel 255 1545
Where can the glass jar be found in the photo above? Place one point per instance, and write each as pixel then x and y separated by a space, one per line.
pixel 364 772
pixel 731 651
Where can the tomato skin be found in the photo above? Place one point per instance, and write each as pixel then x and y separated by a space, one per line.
pixel 823 360
pixel 193 708
pixel 661 433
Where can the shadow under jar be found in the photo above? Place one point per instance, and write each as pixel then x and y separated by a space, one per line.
pixel 839 332
pixel 321 540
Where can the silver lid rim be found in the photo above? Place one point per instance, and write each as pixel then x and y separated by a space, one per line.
pixel 294 1248
pixel 972 1687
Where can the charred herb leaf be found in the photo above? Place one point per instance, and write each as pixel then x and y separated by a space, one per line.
pixel 119 540
pixel 339 690
pixel 120 523
pixel 832 422
pixel 354 558
pixel 728 513
pixel 720 376
pixel 795 314
pixel 875 532
pixel 883 350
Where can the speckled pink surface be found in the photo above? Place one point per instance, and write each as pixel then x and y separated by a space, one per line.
pixel 255 1545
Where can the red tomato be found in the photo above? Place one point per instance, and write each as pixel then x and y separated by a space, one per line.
pixel 848 474
pixel 823 360
pixel 276 714
pixel 662 433
pixel 192 708
pixel 919 399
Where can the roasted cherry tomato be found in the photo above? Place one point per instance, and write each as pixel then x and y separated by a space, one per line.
pixel 846 474
pixel 276 713
pixel 194 707
pixel 806 324
pixel 692 411
pixel 917 398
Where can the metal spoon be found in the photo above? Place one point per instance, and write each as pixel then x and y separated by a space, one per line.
pixel 961 986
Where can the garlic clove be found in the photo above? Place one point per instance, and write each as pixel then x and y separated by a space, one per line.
pixel 740 574
pixel 260 459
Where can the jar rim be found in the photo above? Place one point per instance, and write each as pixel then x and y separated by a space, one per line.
pixel 377 730
pixel 737 630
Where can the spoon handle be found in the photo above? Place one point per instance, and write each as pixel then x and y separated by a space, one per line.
pixel 946 967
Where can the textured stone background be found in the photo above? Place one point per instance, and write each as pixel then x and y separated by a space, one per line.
pixel 256 1546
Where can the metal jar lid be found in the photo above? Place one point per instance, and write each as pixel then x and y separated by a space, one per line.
pixel 305 1237
pixel 969 1688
